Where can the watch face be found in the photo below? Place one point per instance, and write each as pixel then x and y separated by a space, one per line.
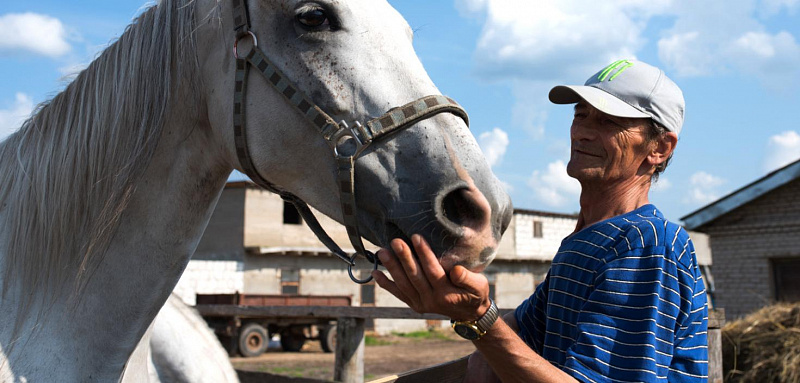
pixel 466 332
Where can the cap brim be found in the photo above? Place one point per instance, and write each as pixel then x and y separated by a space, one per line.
pixel 600 99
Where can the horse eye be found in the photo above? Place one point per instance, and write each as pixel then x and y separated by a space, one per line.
pixel 313 18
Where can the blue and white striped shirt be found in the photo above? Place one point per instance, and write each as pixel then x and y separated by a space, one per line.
pixel 623 302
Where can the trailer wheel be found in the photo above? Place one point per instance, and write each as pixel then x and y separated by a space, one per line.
pixel 293 338
pixel 252 340
pixel 327 338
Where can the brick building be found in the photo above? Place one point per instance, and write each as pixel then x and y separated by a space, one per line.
pixel 755 235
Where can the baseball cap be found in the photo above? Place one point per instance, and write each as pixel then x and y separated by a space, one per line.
pixel 629 88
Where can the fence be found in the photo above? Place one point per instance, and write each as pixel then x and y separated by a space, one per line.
pixel 349 357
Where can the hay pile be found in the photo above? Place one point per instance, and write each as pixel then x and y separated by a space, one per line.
pixel 764 346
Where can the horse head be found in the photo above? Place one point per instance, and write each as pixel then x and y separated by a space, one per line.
pixel 355 60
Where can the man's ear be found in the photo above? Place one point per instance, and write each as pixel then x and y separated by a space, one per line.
pixel 662 149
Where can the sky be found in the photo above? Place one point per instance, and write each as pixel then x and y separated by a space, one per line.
pixel 737 62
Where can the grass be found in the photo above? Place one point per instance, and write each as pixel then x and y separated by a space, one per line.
pixel 294 372
pixel 371 340
pixel 424 334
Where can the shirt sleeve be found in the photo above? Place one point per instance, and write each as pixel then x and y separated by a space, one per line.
pixel 530 316
pixel 627 327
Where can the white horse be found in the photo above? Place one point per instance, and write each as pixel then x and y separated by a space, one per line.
pixel 184 349
pixel 106 190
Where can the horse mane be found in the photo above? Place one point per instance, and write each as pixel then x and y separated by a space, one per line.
pixel 70 171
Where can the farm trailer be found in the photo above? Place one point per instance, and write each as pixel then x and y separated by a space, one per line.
pixel 249 334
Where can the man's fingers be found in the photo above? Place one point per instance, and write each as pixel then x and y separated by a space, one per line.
pixel 412 268
pixel 401 281
pixel 384 282
pixel 427 259
pixel 467 280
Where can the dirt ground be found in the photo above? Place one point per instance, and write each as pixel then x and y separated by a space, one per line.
pixel 385 355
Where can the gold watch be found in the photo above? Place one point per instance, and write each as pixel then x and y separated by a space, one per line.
pixel 474 330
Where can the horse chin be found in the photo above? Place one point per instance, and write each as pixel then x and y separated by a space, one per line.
pixel 469 258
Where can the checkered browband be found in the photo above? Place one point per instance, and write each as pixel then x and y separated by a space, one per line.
pixel 394 120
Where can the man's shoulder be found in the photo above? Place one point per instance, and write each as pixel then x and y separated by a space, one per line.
pixel 645 227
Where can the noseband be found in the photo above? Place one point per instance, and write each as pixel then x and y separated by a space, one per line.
pixel 347 143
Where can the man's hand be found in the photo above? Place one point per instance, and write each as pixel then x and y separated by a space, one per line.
pixel 423 285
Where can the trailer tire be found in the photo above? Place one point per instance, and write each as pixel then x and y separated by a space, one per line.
pixel 253 340
pixel 327 338
pixel 293 339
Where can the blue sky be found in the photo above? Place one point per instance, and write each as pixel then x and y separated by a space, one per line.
pixel 737 61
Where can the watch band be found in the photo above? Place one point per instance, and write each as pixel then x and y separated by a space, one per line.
pixel 487 320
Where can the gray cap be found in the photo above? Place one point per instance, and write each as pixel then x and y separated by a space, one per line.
pixel 629 88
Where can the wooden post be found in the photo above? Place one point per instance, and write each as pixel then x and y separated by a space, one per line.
pixel 349 365
pixel 716 320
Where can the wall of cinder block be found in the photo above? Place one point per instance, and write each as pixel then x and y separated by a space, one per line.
pixel 745 242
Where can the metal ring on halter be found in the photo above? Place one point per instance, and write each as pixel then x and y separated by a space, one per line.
pixel 344 133
pixel 353 262
pixel 236 43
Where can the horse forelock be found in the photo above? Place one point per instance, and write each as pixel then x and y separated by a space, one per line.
pixel 69 172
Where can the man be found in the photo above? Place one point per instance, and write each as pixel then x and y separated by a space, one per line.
pixel 623 300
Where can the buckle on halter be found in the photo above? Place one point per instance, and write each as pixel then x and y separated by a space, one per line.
pixel 345 142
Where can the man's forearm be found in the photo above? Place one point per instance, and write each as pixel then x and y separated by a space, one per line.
pixel 512 360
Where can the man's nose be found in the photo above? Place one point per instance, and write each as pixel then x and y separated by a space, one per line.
pixel 582 130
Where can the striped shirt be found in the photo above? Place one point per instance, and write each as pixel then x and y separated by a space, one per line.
pixel 623 302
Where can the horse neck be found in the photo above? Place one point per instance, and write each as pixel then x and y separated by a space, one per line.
pixel 156 236
pixel 63 336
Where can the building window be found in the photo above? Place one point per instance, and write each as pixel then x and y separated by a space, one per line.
pixel 537 229
pixel 290 214
pixel 787 285
pixel 290 281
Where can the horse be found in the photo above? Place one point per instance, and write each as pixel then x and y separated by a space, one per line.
pixel 106 189
pixel 182 348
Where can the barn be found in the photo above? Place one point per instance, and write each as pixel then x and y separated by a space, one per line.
pixel 755 235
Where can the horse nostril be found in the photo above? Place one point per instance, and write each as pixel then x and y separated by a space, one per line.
pixel 459 209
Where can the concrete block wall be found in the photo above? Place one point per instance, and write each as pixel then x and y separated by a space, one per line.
pixel 746 240
pixel 515 281
pixel 527 247
pixel 209 277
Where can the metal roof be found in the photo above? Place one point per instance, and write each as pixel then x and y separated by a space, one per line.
pixel 747 193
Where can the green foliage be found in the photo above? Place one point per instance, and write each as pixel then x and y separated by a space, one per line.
pixel 371 340
pixel 424 334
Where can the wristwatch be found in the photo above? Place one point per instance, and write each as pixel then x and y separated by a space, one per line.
pixel 474 330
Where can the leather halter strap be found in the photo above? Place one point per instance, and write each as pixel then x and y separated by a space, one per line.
pixel 334 133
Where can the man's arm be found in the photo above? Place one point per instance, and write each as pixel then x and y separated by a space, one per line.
pixel 478 368
pixel 422 283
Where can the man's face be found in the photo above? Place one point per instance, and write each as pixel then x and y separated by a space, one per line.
pixel 606 149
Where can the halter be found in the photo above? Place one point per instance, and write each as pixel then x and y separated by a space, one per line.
pixel 347 143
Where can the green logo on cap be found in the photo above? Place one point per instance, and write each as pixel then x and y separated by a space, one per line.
pixel 619 66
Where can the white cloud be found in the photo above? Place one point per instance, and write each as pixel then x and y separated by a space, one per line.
pixel 557 39
pixel 663 184
pixel 724 36
pixel 771 7
pixel 493 144
pixel 782 149
pixel 554 187
pixel 33 32
pixel 12 118
pixel 536 44
pixel 703 188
